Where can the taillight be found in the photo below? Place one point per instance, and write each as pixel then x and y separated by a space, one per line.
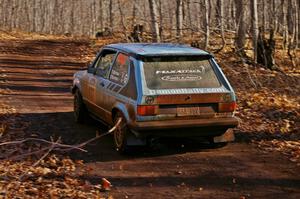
pixel 144 110
pixel 227 107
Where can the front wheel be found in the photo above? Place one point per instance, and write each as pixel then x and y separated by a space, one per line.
pixel 80 111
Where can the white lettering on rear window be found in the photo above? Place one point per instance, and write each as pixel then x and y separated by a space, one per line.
pixel 183 71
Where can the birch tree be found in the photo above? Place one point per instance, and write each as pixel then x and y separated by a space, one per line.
pixel 111 15
pixel 221 21
pixel 207 28
pixel 179 18
pixel 154 20
pixel 254 27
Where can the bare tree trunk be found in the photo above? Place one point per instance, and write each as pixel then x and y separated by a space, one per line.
pixel 221 23
pixel 228 14
pixel 207 28
pixel 198 16
pixel 101 19
pixel 296 5
pixel 241 27
pixel 290 16
pixel 122 20
pixel 263 17
pixel 134 9
pixel 154 20
pixel 42 16
pixel 179 18
pixel 35 16
pixel 170 17
pixel 72 16
pixel 292 24
pixel 254 27
pixel 274 17
pixel 94 17
pixel 28 16
pixel 284 25
pixel 298 43
pixel 189 16
pixel 111 16
pixel 233 15
pixel 160 19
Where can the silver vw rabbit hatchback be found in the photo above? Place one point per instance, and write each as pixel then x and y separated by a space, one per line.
pixel 157 90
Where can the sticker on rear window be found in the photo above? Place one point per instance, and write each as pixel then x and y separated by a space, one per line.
pixel 180 73
pixel 178 78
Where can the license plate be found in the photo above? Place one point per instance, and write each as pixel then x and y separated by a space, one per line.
pixel 188 111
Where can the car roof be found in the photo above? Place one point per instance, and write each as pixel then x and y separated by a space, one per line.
pixel 158 49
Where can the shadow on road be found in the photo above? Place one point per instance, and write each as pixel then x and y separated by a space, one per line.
pixel 46 125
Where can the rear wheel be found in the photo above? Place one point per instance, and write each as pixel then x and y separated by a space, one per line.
pixel 80 111
pixel 120 134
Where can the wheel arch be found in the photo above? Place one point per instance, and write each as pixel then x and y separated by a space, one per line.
pixel 75 86
pixel 121 108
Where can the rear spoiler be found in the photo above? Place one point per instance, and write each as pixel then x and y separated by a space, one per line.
pixel 170 56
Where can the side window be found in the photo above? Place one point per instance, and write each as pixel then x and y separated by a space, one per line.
pixel 104 62
pixel 119 72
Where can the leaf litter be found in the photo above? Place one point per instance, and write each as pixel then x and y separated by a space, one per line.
pixel 268 113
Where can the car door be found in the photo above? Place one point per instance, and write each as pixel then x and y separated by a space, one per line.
pixel 118 79
pixel 88 84
pixel 101 97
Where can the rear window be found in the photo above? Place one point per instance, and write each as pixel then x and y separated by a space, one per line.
pixel 179 72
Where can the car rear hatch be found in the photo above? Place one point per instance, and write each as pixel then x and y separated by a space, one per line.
pixel 184 86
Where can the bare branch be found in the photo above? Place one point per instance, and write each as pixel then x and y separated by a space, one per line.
pixel 56 146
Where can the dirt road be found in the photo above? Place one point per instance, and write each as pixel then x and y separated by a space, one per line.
pixel 37 76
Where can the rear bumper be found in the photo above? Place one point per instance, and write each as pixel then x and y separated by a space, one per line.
pixel 186 123
pixel 185 127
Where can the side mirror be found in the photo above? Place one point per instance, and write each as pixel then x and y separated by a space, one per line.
pixel 91 69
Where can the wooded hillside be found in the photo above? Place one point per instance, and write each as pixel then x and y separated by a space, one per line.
pixel 175 17
pixel 167 21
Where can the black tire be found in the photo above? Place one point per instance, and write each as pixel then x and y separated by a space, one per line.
pixel 120 134
pixel 80 111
